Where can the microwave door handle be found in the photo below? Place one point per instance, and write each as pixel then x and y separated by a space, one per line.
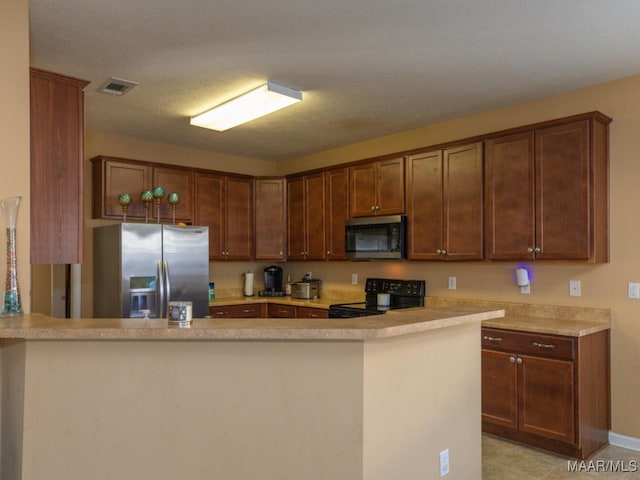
pixel 160 290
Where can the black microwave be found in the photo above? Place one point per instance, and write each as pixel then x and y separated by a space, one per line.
pixel 374 238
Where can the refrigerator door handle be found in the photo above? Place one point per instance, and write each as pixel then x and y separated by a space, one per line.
pixel 167 281
pixel 160 290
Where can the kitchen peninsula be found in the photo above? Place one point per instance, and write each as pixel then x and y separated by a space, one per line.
pixel 367 398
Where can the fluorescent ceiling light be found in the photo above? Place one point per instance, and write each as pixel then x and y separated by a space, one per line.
pixel 251 105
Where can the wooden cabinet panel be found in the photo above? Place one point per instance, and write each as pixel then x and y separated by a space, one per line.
pixel 562 192
pixel 57 168
pixel 546 397
pixel 509 196
pixel 306 217
pixel 315 217
pixel 120 177
pixel 337 212
pixel 270 218
pixel 444 204
pixel 296 237
pixel 377 188
pixel 424 206
pixel 499 393
pixel 239 218
pixel 210 208
pixel 390 187
pixel 362 180
pixel 174 180
pixel 310 312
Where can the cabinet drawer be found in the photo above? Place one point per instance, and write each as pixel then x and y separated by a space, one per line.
pixel 281 311
pixel 552 346
pixel 237 311
pixel 309 312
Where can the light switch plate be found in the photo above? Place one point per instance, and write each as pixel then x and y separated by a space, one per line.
pixel 452 283
pixel 575 288
pixel 633 290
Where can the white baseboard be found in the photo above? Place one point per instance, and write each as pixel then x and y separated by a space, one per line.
pixel 618 440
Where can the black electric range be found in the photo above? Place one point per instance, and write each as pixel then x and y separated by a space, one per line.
pixel 402 294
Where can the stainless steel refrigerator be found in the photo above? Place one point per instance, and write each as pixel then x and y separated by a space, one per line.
pixel 140 267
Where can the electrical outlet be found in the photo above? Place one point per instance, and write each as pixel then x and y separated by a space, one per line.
pixel 444 462
pixel 452 283
pixel 354 279
pixel 575 288
pixel 633 290
pixel 526 290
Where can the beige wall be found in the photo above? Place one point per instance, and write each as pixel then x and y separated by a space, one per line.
pixel 602 285
pixel 14 130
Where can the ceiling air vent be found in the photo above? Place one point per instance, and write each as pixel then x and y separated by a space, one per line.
pixel 117 86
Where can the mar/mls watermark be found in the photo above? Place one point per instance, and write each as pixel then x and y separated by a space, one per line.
pixel 602 466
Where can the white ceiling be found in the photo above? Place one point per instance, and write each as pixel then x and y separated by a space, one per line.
pixel 367 68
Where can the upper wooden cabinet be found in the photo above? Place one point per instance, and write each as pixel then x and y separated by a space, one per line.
pixel 337 211
pixel 113 176
pixel 306 217
pixel 546 192
pixel 377 188
pixel 224 203
pixel 444 204
pixel 270 218
pixel 57 168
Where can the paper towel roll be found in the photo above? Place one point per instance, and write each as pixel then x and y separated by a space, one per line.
pixel 248 284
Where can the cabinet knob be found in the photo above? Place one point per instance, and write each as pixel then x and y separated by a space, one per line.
pixel 537 250
pixel 328 252
pixel 439 252
pixel 444 252
pixel 519 361
pixel 373 208
pixel 512 359
pixel 530 250
pixel 377 207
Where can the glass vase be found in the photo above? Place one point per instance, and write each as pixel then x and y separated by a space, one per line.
pixel 12 305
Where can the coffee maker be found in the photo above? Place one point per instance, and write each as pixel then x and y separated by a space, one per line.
pixel 272 282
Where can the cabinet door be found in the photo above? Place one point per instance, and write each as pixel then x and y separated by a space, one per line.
pixel 119 177
pixel 509 197
pixel 362 190
pixel 390 187
pixel 562 193
pixel 424 205
pixel 210 208
pixel 174 180
pixel 546 397
pixel 337 208
pixel 462 203
pixel 499 388
pixel 57 168
pixel 270 217
pixel 314 217
pixel 239 218
pixel 295 219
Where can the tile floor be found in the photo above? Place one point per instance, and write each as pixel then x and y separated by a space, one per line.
pixel 504 460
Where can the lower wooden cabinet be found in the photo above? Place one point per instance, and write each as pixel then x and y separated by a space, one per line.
pixel 549 391
pixel 257 310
